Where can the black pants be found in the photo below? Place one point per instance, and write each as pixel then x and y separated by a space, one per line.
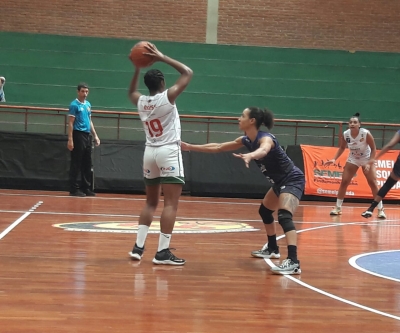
pixel 81 162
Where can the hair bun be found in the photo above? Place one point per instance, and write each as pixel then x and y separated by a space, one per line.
pixel 356 115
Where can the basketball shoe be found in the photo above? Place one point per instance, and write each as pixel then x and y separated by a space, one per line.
pixel 166 257
pixel 287 267
pixel 381 214
pixel 137 252
pixel 366 214
pixel 336 211
pixel 267 253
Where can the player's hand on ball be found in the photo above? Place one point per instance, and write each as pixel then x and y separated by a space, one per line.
pixel 154 52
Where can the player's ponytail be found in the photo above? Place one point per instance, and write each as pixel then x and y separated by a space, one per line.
pixel 261 116
pixel 268 118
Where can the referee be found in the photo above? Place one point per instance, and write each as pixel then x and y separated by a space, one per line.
pixel 80 144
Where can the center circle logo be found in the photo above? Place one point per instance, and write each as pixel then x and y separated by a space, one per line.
pixel 181 227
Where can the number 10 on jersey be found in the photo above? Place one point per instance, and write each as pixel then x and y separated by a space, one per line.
pixel 154 127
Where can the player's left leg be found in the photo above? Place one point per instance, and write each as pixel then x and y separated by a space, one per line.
pixel 269 204
pixel 290 194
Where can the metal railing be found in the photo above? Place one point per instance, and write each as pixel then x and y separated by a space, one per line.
pixel 119 125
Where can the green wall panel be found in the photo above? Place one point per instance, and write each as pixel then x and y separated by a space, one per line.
pixel 44 70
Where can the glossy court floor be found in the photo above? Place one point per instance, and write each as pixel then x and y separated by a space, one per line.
pixel 64 267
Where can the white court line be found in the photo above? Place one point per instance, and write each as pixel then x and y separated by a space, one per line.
pixel 352 262
pixel 370 222
pixel 357 305
pixel 320 291
pixel 18 221
pixel 213 202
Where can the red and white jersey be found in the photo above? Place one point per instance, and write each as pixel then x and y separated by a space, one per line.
pixel 358 146
pixel 160 119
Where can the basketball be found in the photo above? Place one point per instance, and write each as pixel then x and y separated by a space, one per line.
pixel 138 58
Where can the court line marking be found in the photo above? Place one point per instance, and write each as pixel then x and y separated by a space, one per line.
pixel 322 292
pixel 181 200
pixel 19 220
pixel 352 262
pixel 367 222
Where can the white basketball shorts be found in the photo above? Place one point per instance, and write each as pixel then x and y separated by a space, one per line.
pixel 359 161
pixel 163 165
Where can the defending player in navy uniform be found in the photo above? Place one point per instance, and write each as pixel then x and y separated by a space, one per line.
pixel 288 182
pixel 362 148
pixel 393 178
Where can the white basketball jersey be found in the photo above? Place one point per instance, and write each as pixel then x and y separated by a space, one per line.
pixel 160 119
pixel 358 146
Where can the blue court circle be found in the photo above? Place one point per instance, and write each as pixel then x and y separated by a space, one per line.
pixel 384 264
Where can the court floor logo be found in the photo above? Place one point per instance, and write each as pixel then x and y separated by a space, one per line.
pixel 181 227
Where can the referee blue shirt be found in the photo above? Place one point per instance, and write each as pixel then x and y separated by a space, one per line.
pixel 81 112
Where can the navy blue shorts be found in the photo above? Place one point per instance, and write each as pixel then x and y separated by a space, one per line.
pixel 293 183
pixel 396 167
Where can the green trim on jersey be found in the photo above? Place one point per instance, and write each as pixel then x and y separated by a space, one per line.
pixel 165 180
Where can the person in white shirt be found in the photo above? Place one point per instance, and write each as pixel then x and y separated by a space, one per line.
pixel 2 94
pixel 362 148
pixel 162 160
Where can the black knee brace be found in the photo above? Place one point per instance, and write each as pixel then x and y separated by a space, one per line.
pixel 266 214
pixel 389 183
pixel 285 220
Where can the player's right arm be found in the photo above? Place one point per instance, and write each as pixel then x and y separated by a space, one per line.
pixel 339 152
pixel 213 147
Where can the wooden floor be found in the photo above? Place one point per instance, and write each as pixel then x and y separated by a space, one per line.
pixel 64 267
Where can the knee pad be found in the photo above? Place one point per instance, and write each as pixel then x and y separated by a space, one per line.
pixel 266 214
pixel 285 219
pixel 386 187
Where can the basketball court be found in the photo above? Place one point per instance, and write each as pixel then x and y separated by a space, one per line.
pixel 64 267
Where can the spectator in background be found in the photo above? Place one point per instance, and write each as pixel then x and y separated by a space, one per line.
pixel 2 83
pixel 80 126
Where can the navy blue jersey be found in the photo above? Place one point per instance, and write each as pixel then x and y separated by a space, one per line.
pixel 276 164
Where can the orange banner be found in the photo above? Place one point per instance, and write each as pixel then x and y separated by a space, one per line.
pixel 325 180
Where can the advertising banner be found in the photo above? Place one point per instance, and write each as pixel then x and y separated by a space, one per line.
pixel 324 180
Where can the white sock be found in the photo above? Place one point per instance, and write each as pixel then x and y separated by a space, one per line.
pixel 164 241
pixel 141 234
pixel 380 205
pixel 339 202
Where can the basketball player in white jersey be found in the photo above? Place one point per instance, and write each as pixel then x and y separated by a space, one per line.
pixel 162 160
pixel 362 148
